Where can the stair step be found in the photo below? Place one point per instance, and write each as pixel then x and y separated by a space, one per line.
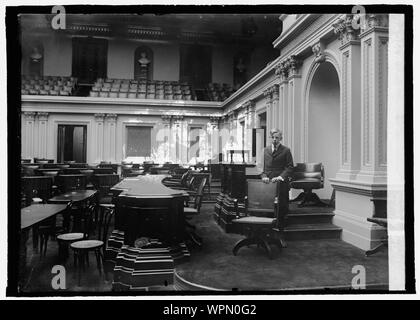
pixel 309 218
pixel 312 231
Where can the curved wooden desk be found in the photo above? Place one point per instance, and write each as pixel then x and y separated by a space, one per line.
pixel 147 208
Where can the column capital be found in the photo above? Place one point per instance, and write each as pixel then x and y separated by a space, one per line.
pixel 42 116
pixel 294 64
pixel 178 119
pixel 274 90
pixel 248 105
pixel 166 118
pixel 29 115
pixel 214 120
pixel 344 29
pixel 267 95
pixel 99 117
pixel 318 50
pixel 374 22
pixel 111 117
pixel 282 70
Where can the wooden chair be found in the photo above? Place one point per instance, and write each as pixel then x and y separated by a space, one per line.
pixel 379 218
pixel 82 248
pixel 190 211
pixel 50 228
pixel 260 223
pixel 70 182
pixel 308 176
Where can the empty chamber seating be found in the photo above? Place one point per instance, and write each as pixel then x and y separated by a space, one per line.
pixel 48 85
pixel 140 89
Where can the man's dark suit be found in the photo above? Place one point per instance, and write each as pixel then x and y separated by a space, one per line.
pixel 279 163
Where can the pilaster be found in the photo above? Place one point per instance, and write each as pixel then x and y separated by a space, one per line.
pixel 99 136
pixel 42 134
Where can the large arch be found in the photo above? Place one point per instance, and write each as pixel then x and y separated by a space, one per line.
pixel 322 120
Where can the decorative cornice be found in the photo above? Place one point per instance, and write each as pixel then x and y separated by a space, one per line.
pixel 42 116
pixel 318 49
pixel 343 28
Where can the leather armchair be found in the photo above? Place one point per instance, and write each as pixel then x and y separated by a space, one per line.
pixel 307 177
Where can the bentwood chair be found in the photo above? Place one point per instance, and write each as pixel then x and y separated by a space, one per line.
pixel 82 248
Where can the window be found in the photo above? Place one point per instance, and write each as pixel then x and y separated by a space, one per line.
pixel 139 140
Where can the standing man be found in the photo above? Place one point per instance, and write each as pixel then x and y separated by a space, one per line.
pixel 278 167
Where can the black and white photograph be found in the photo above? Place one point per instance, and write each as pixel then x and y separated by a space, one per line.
pixel 209 150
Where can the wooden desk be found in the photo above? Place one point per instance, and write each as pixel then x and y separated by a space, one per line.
pixel 77 196
pixel 145 207
pixel 37 213
pixel 30 217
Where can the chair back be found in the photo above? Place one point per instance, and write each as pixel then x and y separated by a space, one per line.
pixel 36 187
pixel 260 198
pixel 104 182
pixel 200 192
pixel 70 182
pixel 311 172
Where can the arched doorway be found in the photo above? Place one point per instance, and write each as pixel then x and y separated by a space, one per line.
pixel 324 123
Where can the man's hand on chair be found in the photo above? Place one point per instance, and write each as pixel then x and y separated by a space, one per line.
pixel 266 180
pixel 277 179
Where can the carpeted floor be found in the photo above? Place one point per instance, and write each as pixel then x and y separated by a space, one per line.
pixel 310 264
pixel 302 265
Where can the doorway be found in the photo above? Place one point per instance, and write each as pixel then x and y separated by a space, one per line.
pixel 89 59
pixel 71 143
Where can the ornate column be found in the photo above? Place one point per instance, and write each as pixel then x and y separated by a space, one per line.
pixel 282 72
pixel 269 115
pixel 28 135
pixel 363 121
pixel 42 134
pixel 350 98
pixel 177 129
pixel 249 125
pixel 110 137
pixel 214 139
pixel 99 136
pixel 374 40
pixel 166 135
pixel 293 130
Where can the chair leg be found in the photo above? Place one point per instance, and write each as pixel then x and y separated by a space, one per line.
pixel 98 261
pixel 266 246
pixel 241 243
pixel 376 249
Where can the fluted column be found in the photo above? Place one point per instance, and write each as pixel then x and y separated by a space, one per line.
pixel 374 41
pixel 249 125
pixel 294 120
pixel 282 72
pixel 165 137
pixel 269 114
pixel 110 137
pixel 28 135
pixel 99 136
pixel 42 134
pixel 350 98
pixel 177 129
pixel 214 139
